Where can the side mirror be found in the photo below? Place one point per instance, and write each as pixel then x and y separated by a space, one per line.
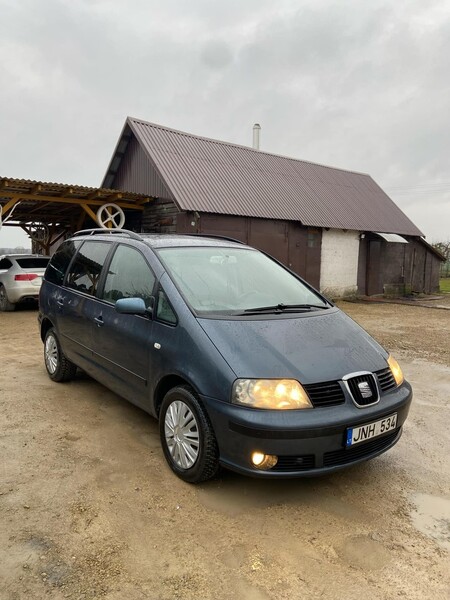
pixel 132 306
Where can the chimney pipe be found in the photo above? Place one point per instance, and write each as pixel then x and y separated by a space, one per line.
pixel 256 134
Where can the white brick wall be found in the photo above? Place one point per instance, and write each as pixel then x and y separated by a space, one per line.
pixel 339 262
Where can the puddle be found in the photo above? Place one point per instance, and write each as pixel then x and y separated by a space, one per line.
pixel 362 552
pixel 432 518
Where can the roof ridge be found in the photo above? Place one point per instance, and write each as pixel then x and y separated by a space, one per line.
pixel 248 148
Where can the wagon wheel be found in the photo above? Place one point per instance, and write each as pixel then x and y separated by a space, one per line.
pixel 39 232
pixel 110 216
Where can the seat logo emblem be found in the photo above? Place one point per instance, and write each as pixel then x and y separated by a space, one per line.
pixel 364 389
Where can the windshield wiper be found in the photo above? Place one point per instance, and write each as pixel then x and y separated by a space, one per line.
pixel 279 308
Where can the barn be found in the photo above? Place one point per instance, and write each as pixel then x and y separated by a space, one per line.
pixel 336 228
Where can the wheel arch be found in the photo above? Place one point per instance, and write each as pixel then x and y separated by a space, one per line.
pixel 165 384
pixel 46 324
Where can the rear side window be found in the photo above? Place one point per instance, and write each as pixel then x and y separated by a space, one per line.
pixel 5 263
pixel 129 276
pixel 84 272
pixel 33 262
pixel 59 262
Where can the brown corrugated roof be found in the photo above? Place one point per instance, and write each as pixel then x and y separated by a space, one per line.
pixel 211 176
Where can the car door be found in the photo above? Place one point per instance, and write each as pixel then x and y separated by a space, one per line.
pixel 121 341
pixel 76 303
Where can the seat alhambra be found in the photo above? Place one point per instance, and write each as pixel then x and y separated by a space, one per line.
pixel 243 363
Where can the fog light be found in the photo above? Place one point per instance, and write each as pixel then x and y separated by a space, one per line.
pixel 264 461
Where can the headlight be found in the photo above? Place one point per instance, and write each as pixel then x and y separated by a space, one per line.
pixel 395 370
pixel 281 394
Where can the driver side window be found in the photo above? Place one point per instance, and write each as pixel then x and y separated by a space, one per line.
pixel 129 276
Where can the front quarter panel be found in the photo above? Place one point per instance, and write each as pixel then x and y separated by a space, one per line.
pixel 186 351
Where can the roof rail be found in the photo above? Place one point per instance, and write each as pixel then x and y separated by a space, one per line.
pixel 215 236
pixel 101 231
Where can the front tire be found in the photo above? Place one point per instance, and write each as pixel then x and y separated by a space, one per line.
pixel 5 304
pixel 59 367
pixel 187 437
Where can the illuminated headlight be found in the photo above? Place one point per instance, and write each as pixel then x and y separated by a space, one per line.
pixel 279 394
pixel 395 370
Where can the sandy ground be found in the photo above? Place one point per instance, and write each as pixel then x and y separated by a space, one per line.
pixel 88 508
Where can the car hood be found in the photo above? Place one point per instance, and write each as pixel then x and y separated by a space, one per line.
pixel 320 346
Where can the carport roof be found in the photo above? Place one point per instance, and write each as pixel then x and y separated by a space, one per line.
pixel 212 176
pixel 24 201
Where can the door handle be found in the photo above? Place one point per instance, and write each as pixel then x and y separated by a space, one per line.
pixel 99 321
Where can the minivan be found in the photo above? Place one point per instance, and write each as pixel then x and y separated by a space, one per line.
pixel 242 362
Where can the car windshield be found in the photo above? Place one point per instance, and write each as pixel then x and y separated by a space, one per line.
pixel 236 281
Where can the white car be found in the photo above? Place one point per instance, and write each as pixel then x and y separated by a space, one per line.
pixel 20 278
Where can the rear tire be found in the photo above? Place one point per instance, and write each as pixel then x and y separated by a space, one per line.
pixel 5 304
pixel 187 436
pixel 59 367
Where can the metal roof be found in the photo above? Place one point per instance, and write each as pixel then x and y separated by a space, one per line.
pixel 392 238
pixel 212 176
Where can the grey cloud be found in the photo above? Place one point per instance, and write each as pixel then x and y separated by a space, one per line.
pixel 216 55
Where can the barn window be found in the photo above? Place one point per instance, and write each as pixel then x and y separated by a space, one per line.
pixel 313 238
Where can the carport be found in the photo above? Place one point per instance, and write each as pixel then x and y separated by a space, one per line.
pixel 49 212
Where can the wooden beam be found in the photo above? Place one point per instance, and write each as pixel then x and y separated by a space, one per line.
pixel 75 201
pixel 40 243
pixel 38 207
pixel 114 197
pixel 61 234
pixel 144 201
pixel 90 212
pixel 94 195
pixel 109 223
pixel 8 206
pixel 80 221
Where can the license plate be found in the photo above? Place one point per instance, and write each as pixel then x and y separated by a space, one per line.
pixel 356 435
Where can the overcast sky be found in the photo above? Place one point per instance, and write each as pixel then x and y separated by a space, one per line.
pixel 358 85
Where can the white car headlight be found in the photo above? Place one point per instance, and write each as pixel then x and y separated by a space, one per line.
pixel 278 394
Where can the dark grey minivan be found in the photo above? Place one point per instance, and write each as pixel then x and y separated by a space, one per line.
pixel 244 364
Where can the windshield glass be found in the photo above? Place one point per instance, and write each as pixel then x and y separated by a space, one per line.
pixel 234 280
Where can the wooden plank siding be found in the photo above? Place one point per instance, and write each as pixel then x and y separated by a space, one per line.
pixel 392 268
pixel 160 217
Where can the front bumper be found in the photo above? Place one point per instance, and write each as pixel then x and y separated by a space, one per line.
pixel 307 442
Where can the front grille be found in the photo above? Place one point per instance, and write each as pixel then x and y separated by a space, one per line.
pixel 386 380
pixel 328 393
pixel 295 463
pixel 344 456
pixel 358 394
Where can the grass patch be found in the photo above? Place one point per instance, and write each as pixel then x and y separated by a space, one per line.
pixel 444 285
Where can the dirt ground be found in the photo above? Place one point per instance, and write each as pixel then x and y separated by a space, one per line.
pixel 89 509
